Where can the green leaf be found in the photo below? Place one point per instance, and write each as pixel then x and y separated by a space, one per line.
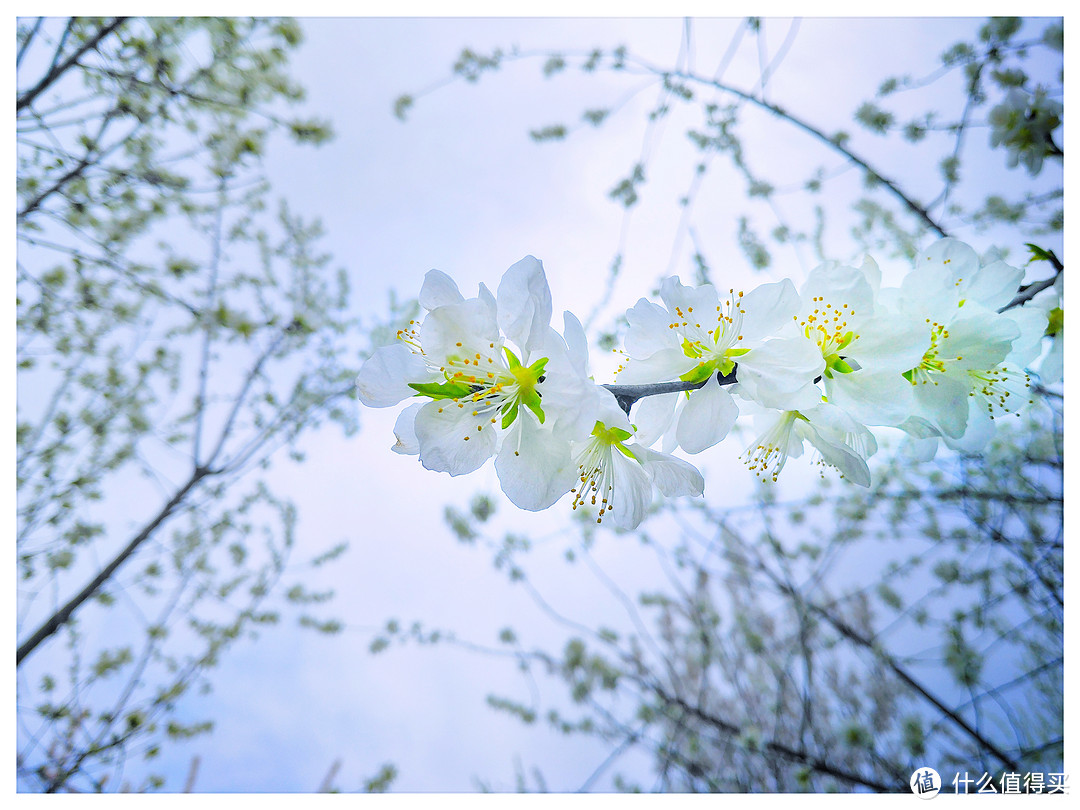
pixel 446 390
pixel 1039 254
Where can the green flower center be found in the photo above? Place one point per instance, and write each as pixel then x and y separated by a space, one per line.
pixel 492 389
pixel 932 362
pixel 827 326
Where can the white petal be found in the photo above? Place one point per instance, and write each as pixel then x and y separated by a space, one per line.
pixel 978 433
pixel 632 492
pixel 672 476
pixel 439 290
pixel 649 330
pixel 838 284
pixel 890 343
pixel 385 376
pixel 993 286
pixel 459 330
pixel 534 466
pixel 676 295
pixel 781 372
pixel 609 412
pixel 405 431
pixel 1032 323
pixel 1052 368
pixel 768 307
pixel 570 400
pixel 944 402
pixel 839 455
pixel 938 270
pixel 449 439
pixel 663 366
pixel 981 340
pixel 485 295
pixel 577 344
pixel 654 416
pixel 874 398
pixel 918 428
pixel 872 273
pixel 707 417
pixel 524 304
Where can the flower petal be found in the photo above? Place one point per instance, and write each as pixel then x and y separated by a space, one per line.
pixel 439 290
pixel 938 271
pixel 649 330
pixel 534 466
pixel 459 330
pixel 524 304
pixel 837 454
pixel 781 372
pixel 838 283
pixel 662 366
pixel 577 344
pixel 872 397
pixel 451 439
pixel 944 402
pixel 385 376
pixel 768 307
pixel 677 296
pixel 993 286
pixel 632 492
pixel 671 475
pixel 707 417
pixel 654 416
pixel 889 343
pixel 405 431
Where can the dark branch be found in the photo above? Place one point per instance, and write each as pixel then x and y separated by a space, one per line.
pixel 27 98
pixel 627 395
pixel 62 616
pixel 909 203
pixel 1028 292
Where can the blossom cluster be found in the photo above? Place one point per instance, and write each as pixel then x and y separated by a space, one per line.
pixel 940 357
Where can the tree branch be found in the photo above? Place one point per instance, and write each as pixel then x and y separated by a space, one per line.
pixel 627 395
pixel 831 142
pixel 27 98
pixel 771 746
pixel 62 616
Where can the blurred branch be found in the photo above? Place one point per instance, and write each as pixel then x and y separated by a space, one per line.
pixel 58 70
pixel 193 772
pixel 63 615
pixel 805 126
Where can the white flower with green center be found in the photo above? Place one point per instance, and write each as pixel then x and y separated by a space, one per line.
pixel 841 442
pixel 696 337
pixel 965 377
pixel 523 403
pixel 617 477
pixel 865 347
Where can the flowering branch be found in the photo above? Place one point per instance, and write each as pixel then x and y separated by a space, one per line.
pixel 940 357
